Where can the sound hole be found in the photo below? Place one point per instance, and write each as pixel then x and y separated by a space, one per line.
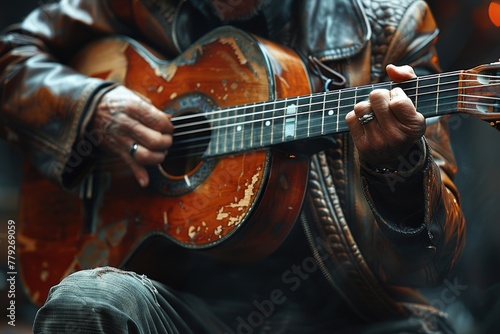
pixel 186 166
pixel 191 139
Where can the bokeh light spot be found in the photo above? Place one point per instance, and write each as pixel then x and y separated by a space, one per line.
pixel 494 13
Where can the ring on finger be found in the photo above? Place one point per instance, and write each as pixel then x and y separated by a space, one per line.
pixel 134 148
pixel 366 118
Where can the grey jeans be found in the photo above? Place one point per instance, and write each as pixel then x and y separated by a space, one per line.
pixel 109 300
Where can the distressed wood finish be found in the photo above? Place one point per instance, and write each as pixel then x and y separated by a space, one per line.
pixel 233 97
pixel 240 211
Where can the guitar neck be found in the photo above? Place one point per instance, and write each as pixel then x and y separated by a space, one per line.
pixel 265 124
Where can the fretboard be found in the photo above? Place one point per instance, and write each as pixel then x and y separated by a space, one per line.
pixel 265 124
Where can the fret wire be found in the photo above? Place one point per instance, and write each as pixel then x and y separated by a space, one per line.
pixel 435 98
pixel 416 93
pixel 268 124
pixel 448 104
pixel 338 121
pixel 323 113
pixel 324 109
pixel 440 91
pixel 246 141
pixel 309 118
pixel 330 105
pixel 355 95
pixel 288 109
pixel 289 121
pixel 445 104
pixel 437 94
pixel 236 131
pixel 342 128
pixel 338 110
pixel 272 122
pixel 278 120
pixel 252 125
pixel 240 130
pixel 295 119
pixel 317 113
pixel 243 133
pixel 223 142
pixel 224 137
pixel 375 86
pixel 230 129
pixel 217 137
pixel 285 120
pixel 303 117
pixel 263 128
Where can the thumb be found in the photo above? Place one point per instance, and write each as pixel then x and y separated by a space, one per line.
pixel 400 73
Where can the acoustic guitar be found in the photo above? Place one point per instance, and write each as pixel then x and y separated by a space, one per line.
pixel 234 180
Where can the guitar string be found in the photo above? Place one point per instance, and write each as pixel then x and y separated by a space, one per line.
pixel 114 160
pixel 346 91
pixel 321 110
pixel 342 128
pixel 200 143
pixel 309 105
pixel 203 140
pixel 203 146
pixel 226 110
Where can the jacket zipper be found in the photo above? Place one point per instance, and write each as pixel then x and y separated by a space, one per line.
pixel 174 27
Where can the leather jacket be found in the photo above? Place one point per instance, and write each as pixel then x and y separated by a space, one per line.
pixel 375 235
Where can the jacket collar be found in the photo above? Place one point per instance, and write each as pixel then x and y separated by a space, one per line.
pixel 326 29
pixel 332 30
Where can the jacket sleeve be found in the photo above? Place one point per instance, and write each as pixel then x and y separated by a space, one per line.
pixel 45 104
pixel 417 207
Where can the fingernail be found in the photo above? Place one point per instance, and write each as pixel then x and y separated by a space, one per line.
pixel 142 182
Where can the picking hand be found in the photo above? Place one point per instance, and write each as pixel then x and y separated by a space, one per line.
pixel 395 126
pixel 133 129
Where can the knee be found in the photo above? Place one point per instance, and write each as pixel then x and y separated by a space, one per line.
pixel 106 285
pixel 88 298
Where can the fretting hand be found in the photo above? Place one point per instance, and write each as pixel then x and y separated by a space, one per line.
pixel 387 125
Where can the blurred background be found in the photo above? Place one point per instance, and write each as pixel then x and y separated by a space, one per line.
pixel 470 35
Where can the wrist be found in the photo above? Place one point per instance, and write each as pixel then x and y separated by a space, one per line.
pixel 407 164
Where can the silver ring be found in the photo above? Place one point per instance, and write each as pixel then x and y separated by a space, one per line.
pixel 366 118
pixel 134 148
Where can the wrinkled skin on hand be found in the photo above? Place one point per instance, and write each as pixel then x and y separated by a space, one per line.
pixel 123 118
pixel 397 125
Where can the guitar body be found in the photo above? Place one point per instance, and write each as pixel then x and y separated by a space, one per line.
pixel 222 190
pixel 238 207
